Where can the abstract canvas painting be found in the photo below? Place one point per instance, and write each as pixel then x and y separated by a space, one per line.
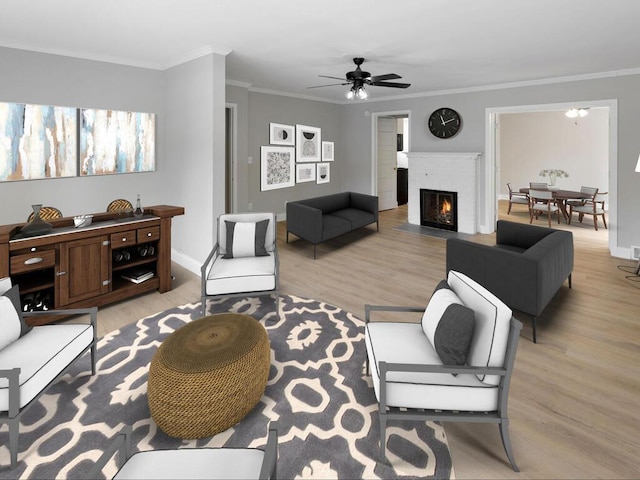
pixel 37 141
pixel 280 134
pixel 277 167
pixel 114 141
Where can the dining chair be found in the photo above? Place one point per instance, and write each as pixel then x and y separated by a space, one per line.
pixel 538 186
pixel 578 202
pixel 593 206
pixel 516 197
pixel 541 201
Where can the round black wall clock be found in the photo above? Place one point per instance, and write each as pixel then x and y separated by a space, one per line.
pixel 444 122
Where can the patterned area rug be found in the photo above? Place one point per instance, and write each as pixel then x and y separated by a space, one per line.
pixel 317 390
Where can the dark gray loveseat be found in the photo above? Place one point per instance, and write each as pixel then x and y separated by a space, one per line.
pixel 320 219
pixel 525 268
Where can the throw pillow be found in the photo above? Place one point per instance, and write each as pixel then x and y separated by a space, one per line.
pixel 246 239
pixel 449 326
pixel 12 325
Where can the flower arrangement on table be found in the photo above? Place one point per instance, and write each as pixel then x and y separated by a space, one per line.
pixel 553 174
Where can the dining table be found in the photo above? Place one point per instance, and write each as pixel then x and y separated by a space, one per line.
pixel 562 197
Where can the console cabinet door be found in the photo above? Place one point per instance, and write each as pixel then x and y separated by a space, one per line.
pixel 83 270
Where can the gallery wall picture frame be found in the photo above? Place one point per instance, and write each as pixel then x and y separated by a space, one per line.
pixel 114 141
pixel 308 144
pixel 327 151
pixel 281 134
pixel 324 173
pixel 37 141
pixel 276 167
pixel 305 172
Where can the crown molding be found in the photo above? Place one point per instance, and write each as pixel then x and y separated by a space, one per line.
pixel 293 95
pixel 197 53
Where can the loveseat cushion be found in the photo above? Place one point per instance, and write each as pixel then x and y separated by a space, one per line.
pixel 399 342
pixel 449 326
pixel 492 324
pixel 333 226
pixel 328 203
pixel 357 218
pixel 41 355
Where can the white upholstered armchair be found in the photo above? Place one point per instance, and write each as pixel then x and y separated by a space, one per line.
pixel 209 463
pixel 34 358
pixel 244 260
pixel 454 366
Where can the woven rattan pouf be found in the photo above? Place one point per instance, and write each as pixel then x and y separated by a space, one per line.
pixel 206 376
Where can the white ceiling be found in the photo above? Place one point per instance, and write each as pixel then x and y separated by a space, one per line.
pixel 283 45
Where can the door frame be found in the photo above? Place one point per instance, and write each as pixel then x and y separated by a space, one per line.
pixel 231 151
pixel 374 142
pixel 490 211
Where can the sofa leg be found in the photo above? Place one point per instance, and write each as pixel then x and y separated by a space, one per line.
pixel 533 324
pixel 569 278
pixel 287 236
pixel 314 251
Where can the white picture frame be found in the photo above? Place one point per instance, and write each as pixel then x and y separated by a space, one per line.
pixel 281 134
pixel 276 167
pixel 323 175
pixel 305 172
pixel 327 151
pixel 308 143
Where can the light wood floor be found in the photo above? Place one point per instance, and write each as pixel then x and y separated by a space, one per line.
pixel 575 396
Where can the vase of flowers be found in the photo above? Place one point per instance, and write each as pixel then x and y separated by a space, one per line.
pixel 553 175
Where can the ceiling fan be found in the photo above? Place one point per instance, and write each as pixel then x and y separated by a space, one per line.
pixel 358 78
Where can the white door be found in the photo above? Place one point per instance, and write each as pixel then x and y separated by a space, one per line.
pixel 387 163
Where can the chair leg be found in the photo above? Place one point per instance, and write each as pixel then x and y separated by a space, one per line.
pixel 383 432
pixel 595 222
pixel 604 221
pixel 506 443
pixel 14 426
pixel 204 305
pixel 93 359
pixel 509 209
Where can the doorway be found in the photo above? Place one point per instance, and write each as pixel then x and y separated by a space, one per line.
pixel 390 141
pixel 492 171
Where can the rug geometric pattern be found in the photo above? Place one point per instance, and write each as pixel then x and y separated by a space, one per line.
pixel 317 391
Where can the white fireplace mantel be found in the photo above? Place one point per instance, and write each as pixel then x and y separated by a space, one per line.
pixel 453 172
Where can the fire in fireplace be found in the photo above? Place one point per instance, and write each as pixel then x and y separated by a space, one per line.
pixel 439 209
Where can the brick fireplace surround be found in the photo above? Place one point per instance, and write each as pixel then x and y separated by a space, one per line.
pixel 454 172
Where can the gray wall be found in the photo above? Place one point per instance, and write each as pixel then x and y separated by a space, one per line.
pixel 189 102
pixel 266 108
pixel 471 138
pixel 29 77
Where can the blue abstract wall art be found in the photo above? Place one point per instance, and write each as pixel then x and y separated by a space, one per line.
pixel 37 141
pixel 114 141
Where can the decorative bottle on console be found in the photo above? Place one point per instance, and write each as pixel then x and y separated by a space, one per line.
pixel 138 212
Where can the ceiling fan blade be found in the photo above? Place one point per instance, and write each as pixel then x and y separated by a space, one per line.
pixel 388 76
pixel 335 78
pixel 390 84
pixel 329 85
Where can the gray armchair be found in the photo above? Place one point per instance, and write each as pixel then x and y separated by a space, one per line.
pixel 525 268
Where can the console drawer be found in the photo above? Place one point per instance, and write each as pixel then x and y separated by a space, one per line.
pixel 33 261
pixel 148 234
pixel 123 239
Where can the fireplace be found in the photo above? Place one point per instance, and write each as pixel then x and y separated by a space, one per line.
pixel 439 209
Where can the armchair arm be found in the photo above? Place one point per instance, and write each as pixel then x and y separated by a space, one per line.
pixel 205 266
pixel 13 377
pixel 457 369
pixel 92 311
pixel 121 444
pixel 304 221
pixel 387 308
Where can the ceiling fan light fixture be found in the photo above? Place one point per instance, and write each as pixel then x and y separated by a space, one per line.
pixel 351 94
pixel 362 94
